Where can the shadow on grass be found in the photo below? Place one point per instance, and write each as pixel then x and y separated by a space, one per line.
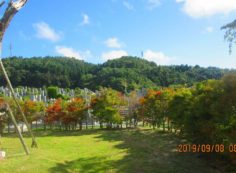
pixel 88 165
pixel 55 133
pixel 148 151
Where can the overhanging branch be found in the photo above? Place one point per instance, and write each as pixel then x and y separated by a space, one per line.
pixel 230 34
pixel 231 25
pixel 12 9
pixel 2 3
pixel 18 4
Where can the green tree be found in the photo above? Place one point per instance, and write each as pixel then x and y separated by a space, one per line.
pixel 179 108
pixel 126 73
pixel 203 122
pixel 52 92
pixel 106 107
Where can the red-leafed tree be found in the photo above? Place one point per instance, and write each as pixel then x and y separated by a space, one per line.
pixel 76 112
pixel 154 107
pixel 33 110
pixel 54 113
pixel 3 118
pixel 29 108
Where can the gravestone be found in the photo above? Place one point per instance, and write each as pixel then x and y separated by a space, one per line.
pixel 2 154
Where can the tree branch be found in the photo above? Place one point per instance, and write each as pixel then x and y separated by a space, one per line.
pixel 231 25
pixel 2 3
pixel 18 4
pixel 230 34
pixel 12 9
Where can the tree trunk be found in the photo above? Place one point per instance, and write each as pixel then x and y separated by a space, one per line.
pixel 36 124
pixel 101 125
pixel 9 111
pixel 60 126
pixel 86 123
pixel 92 123
pixel 163 125
pixel 44 125
pixel 168 124
pixel 80 125
pixel 8 125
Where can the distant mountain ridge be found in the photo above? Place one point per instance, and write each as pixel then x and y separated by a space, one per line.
pixel 120 74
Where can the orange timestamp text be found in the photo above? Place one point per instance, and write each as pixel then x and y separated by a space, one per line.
pixel 206 148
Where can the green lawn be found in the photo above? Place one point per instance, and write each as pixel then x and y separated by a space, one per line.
pixel 133 151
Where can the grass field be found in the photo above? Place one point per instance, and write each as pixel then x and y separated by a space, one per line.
pixel 128 151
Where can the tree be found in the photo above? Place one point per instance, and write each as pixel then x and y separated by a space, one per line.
pixel 3 118
pixel 76 112
pixel 127 72
pixel 228 107
pixel 106 107
pixel 154 107
pixel 130 104
pixel 230 33
pixel 52 92
pixel 179 108
pixel 32 110
pixel 202 124
pixel 55 112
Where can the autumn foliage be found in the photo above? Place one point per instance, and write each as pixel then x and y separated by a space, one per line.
pixel 66 113
pixel 54 112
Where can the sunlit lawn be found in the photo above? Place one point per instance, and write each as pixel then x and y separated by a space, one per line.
pixel 96 151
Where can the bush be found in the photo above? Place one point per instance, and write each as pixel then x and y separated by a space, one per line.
pixel 52 92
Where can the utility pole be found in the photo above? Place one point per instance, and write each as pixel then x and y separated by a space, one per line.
pixel 141 54
pixel 10 49
pixel 87 98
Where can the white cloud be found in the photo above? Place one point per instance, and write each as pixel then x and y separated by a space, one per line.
pixel 72 53
pixel 114 54
pixel 128 5
pixel 113 43
pixel 153 4
pixel 209 29
pixel 206 8
pixel 158 57
pixel 86 19
pixel 86 54
pixel 44 31
pixel 68 52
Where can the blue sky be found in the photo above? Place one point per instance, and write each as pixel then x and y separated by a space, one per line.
pixel 166 31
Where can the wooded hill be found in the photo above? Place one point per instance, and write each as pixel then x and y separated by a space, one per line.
pixel 126 72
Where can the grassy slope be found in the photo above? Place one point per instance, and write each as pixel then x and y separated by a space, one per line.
pixel 96 151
